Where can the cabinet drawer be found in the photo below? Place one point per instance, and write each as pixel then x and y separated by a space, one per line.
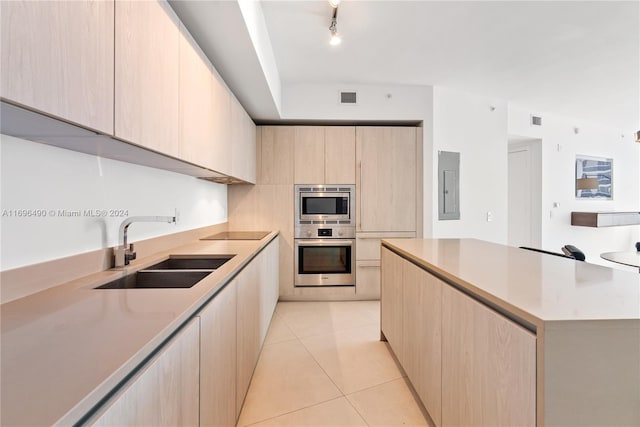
pixel 368 280
pixel 368 248
pixel 368 244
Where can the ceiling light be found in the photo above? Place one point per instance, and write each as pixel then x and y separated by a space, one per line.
pixel 334 3
pixel 335 39
pixel 333 28
pixel 638 136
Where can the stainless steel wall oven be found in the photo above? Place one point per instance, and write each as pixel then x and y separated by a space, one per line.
pixel 325 235
pixel 325 262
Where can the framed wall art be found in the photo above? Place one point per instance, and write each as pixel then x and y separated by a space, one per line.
pixel 594 178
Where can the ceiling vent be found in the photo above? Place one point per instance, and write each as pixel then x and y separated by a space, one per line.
pixel 536 120
pixel 348 98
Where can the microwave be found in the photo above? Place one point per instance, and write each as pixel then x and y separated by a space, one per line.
pixel 325 204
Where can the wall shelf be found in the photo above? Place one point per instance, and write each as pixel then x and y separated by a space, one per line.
pixel 604 219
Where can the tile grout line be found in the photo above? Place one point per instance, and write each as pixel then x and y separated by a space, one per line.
pixel 402 374
pixel 342 395
pixel 302 408
pixel 358 412
pixel 321 368
pixel 373 386
pixel 316 335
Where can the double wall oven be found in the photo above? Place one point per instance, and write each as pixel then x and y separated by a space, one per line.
pixel 325 235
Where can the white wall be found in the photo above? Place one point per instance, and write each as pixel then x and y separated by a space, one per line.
pixel 467 124
pixel 375 102
pixel 558 177
pixel 37 176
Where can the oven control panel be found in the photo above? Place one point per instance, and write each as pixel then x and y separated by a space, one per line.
pixel 323 232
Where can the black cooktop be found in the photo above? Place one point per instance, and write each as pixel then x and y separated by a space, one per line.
pixel 237 235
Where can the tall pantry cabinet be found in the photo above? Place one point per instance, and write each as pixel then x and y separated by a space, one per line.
pixel 388 194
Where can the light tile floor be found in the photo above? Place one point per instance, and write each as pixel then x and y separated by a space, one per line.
pixel 323 364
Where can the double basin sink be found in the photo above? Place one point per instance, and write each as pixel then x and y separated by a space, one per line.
pixel 174 272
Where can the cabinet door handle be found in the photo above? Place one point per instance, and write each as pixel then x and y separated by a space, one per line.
pixel 359 225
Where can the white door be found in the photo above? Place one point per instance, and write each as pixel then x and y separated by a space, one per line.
pixel 519 233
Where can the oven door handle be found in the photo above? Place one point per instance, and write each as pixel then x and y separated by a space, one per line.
pixel 324 242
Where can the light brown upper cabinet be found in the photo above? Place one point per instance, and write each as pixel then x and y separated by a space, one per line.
pixel 57 58
pixel 309 155
pixel 147 39
pixel 275 155
pixel 340 155
pixel 387 180
pixel 324 155
pixel 196 103
pixel 221 126
pixel 243 143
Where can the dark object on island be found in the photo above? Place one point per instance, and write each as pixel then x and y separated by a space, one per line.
pixel 573 252
pixel 546 252
pixel 579 256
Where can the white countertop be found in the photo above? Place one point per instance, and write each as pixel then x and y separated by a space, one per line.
pixel 535 287
pixel 65 348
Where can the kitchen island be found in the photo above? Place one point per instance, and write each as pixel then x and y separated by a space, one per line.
pixel 495 335
pixel 73 354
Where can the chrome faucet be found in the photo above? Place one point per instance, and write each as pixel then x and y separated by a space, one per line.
pixel 124 252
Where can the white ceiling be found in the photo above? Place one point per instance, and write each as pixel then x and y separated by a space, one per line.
pixel 573 58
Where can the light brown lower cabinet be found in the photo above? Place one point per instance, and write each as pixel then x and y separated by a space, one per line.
pixel 368 280
pixel 391 299
pixel 165 392
pixel 368 262
pixel 248 324
pixel 218 359
pixel 469 365
pixel 257 287
pixel 422 335
pixel 488 366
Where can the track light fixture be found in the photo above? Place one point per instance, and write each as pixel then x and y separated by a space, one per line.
pixel 333 28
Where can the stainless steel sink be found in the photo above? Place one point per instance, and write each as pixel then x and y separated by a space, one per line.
pixel 184 263
pixel 157 279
